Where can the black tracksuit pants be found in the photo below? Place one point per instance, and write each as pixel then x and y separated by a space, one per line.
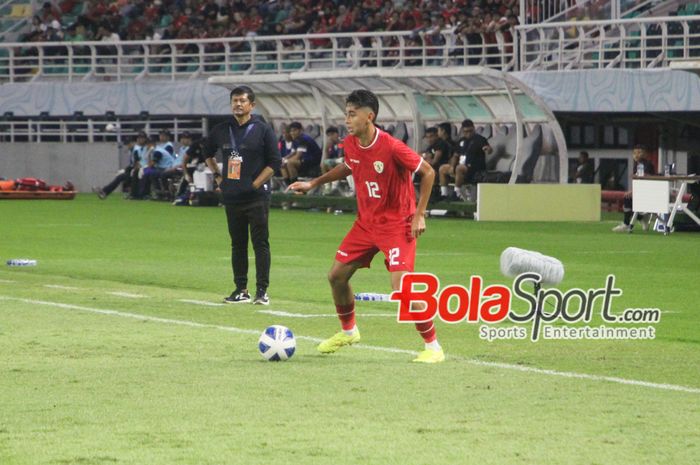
pixel 243 218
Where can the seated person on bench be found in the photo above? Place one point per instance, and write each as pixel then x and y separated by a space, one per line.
pixel 639 154
pixel 305 159
pixel 468 160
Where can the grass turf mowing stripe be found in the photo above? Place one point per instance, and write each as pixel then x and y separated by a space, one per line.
pixel 506 366
pixel 128 295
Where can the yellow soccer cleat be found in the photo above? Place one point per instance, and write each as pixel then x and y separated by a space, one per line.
pixel 337 341
pixel 430 356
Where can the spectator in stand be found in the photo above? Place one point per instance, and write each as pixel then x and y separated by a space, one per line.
pixel 305 159
pixel 49 13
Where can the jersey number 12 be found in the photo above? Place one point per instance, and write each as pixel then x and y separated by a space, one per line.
pixel 373 189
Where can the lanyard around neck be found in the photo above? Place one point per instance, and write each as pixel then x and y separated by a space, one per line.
pixel 234 146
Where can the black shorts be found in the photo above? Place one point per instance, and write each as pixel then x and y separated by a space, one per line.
pixel 309 169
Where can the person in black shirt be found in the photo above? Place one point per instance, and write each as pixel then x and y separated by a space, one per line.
pixel 250 157
pixel 438 152
pixel 584 171
pixel 468 160
pixel 640 156
pixel 445 134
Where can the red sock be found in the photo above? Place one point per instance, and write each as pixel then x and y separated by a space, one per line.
pixel 427 331
pixel 346 314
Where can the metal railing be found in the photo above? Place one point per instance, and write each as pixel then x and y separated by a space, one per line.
pixel 638 43
pixel 630 43
pixel 183 59
pixel 95 129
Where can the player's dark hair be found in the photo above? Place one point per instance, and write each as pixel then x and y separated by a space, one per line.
pixel 584 153
pixel 241 90
pixel 467 123
pixel 295 125
pixel 431 130
pixel 364 98
pixel 332 130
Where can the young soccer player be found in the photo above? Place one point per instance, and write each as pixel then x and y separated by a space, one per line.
pixel 388 219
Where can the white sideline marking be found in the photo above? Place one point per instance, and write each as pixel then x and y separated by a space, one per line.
pixel 201 302
pixel 505 366
pixel 127 295
pixel 58 286
pixel 609 252
pixel 319 315
pixel 7 281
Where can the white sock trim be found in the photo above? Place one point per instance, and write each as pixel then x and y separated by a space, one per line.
pixel 350 332
pixel 435 345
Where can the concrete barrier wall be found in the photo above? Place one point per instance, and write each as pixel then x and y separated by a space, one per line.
pixel 538 202
pixel 84 164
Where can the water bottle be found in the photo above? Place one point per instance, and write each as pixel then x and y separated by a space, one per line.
pixel 21 262
pixel 640 169
pixel 371 296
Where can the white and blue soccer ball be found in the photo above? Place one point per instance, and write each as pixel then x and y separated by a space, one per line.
pixel 277 343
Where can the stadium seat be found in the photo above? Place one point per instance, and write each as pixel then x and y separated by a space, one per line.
pixel 22 10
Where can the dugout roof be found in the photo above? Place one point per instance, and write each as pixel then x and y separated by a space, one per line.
pixel 417 97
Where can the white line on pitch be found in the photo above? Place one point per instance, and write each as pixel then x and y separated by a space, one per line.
pixel 59 286
pixel 505 366
pixel 201 302
pixel 609 252
pixel 318 315
pixel 7 281
pixel 128 295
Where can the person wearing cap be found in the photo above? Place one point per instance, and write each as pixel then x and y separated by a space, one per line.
pixel 248 151
pixel 129 176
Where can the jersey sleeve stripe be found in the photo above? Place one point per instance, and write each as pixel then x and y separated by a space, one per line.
pixel 418 167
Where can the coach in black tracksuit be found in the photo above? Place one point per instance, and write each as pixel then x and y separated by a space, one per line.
pixel 250 157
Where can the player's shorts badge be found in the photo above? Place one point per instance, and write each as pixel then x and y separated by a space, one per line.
pixel 379 167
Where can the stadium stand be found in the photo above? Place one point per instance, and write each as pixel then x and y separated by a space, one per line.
pixel 77 47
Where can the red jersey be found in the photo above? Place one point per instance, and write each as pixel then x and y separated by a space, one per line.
pixel 383 174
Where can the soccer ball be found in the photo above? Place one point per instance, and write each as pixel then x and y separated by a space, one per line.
pixel 277 343
pixel 111 127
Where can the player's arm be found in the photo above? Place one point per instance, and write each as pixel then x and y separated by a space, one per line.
pixel 340 171
pixel 427 177
pixel 273 159
pixel 487 149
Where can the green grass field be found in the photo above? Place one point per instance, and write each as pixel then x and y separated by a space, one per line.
pixel 113 350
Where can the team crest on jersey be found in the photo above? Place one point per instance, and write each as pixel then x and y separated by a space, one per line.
pixel 379 167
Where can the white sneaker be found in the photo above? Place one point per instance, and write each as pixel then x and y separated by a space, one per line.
pixel 622 228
